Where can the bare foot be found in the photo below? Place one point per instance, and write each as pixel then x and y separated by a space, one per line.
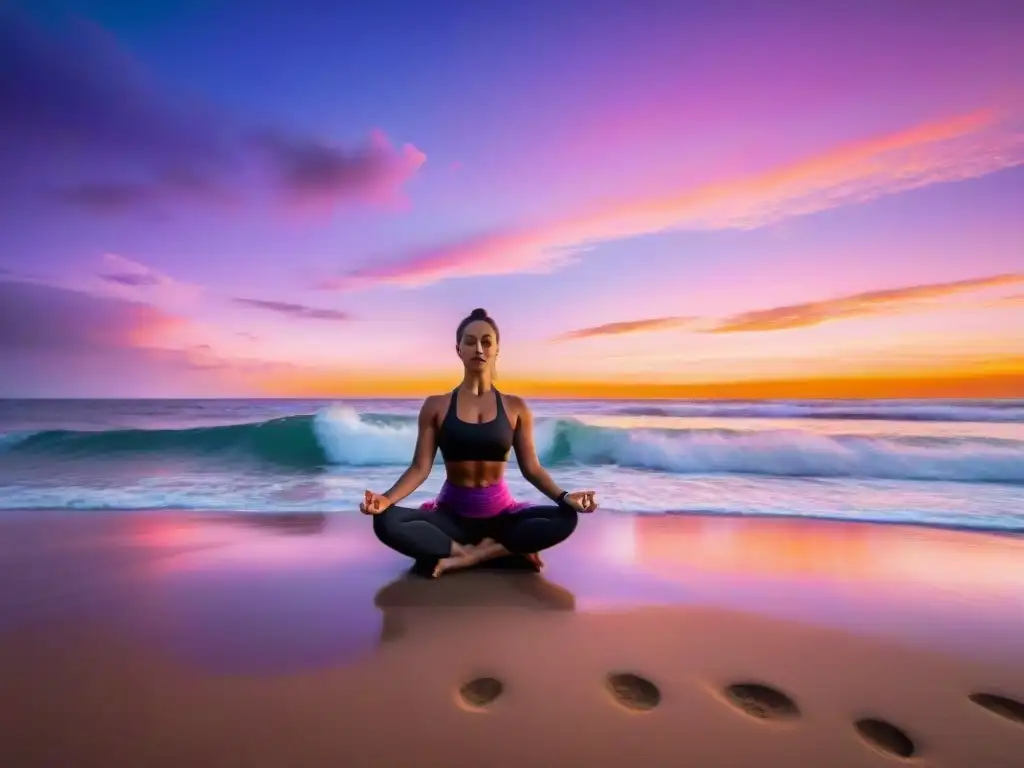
pixel 469 555
pixel 534 559
pixel 456 562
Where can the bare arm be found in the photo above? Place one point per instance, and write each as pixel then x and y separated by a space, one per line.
pixel 526 455
pixel 423 455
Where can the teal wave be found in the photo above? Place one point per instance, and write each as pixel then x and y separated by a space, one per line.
pixel 289 441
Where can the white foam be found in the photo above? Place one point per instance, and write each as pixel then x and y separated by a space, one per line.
pixel 1009 412
pixel 348 439
pixel 798 454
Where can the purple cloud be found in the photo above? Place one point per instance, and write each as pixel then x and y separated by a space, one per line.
pixel 315 174
pixel 73 102
pixel 132 279
pixel 121 196
pixel 295 310
pixel 57 342
pixel 44 318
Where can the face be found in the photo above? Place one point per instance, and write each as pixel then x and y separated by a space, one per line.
pixel 478 346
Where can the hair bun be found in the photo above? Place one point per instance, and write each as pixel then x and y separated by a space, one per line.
pixel 478 314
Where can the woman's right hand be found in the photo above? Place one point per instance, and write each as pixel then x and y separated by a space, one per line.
pixel 373 503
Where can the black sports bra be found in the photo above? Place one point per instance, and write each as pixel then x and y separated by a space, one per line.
pixel 465 441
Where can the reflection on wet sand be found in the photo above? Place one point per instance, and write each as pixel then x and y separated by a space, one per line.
pixel 817 550
pixel 258 542
pixel 412 600
pixel 284 522
pixel 488 590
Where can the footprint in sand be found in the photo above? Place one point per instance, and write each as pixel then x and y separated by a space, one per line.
pixel 633 692
pixel 885 737
pixel 480 693
pixel 762 701
pixel 1000 705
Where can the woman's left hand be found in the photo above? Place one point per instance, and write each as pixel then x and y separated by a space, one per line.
pixel 582 501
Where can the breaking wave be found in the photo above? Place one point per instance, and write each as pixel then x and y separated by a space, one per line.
pixel 339 435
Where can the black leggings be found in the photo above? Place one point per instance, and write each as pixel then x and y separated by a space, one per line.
pixel 428 534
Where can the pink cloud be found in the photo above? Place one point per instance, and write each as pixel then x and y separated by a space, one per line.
pixel 961 147
pixel 620 328
pixel 502 253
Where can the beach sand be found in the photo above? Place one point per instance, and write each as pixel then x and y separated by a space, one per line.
pixel 175 639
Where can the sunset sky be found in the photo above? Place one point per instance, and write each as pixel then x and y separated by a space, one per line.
pixel 653 199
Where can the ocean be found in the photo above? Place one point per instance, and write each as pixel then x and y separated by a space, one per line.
pixel 949 463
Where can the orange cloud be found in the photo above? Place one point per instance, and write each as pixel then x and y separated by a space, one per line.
pixel 962 147
pixel 627 326
pixel 809 313
pixel 855 305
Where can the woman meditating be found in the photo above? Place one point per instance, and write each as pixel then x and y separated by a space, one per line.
pixel 474 518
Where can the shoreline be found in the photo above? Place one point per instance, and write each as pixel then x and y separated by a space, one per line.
pixel 258 639
pixel 1016 532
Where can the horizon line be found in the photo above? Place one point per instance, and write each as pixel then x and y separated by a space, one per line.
pixel 994 386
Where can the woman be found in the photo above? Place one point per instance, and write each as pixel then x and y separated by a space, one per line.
pixel 474 518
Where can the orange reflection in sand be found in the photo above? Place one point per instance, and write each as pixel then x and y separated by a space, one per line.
pixel 829 550
pixel 245 541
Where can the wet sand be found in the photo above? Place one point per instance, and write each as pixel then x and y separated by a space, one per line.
pixel 169 639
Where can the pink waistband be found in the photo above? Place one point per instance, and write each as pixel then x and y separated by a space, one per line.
pixel 475 502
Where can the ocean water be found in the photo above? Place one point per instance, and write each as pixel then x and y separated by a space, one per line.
pixel 951 463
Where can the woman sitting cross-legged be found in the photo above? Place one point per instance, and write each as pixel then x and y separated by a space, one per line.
pixel 474 518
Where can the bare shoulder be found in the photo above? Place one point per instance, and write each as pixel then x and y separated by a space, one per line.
pixel 433 404
pixel 515 401
pixel 516 407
